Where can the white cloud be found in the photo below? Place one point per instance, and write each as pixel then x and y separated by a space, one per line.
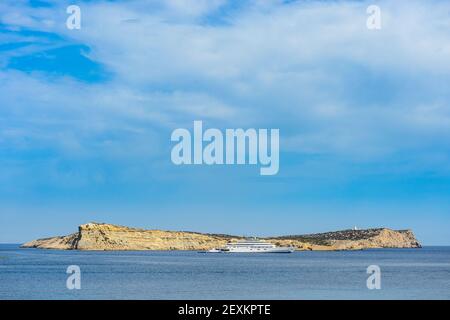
pixel 311 68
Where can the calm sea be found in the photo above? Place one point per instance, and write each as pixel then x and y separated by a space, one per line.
pixel 405 274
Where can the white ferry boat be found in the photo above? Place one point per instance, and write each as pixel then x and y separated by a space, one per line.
pixel 252 246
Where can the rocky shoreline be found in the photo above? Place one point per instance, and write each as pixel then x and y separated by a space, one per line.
pixel 102 236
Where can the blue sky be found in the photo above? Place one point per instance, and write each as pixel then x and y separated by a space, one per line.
pixel 86 115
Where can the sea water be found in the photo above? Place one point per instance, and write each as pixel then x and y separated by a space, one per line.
pixel 405 274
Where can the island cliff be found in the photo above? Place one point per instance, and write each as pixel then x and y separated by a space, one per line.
pixel 101 236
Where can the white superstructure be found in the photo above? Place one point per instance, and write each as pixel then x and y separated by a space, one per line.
pixel 253 246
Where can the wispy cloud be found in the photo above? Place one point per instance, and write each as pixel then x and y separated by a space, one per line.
pixel 312 68
pixel 375 100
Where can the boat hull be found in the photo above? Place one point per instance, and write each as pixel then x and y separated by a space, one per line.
pixel 252 246
pixel 261 250
pixel 253 250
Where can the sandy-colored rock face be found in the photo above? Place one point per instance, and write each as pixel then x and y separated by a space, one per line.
pixel 353 240
pixel 98 236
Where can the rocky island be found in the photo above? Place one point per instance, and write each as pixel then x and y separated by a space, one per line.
pixel 102 236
